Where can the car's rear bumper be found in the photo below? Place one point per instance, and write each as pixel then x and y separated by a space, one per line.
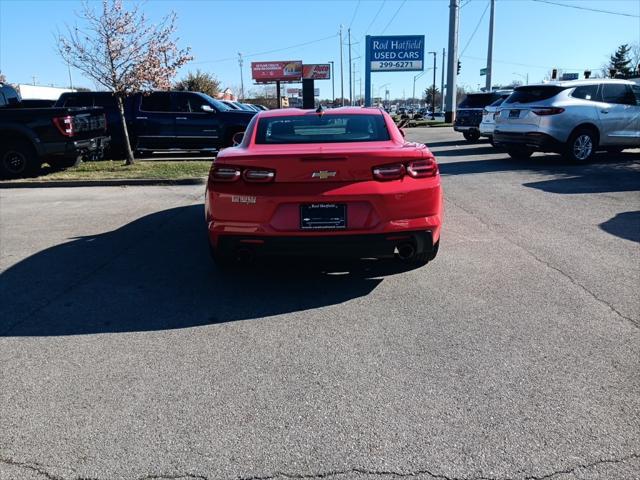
pixel 486 129
pixel 535 140
pixel 352 246
pixel 465 128
pixel 90 148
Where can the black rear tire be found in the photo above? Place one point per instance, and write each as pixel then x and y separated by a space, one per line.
pixel 18 159
pixel 581 146
pixel 471 136
pixel 519 153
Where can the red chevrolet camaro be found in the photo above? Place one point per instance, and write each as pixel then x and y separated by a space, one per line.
pixel 337 182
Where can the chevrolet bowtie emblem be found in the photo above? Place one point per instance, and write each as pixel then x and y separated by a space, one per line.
pixel 323 174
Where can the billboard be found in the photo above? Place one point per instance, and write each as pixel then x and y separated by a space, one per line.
pixel 284 71
pixel 398 53
pixel 316 71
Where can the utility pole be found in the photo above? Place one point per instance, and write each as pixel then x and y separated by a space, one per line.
pixel 333 84
pixel 433 92
pixel 490 50
pixel 241 79
pixel 442 83
pixel 350 89
pixel 450 106
pixel 341 71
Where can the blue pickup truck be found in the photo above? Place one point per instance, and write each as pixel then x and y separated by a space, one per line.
pixel 165 121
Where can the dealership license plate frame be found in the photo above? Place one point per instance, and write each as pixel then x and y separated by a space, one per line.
pixel 323 216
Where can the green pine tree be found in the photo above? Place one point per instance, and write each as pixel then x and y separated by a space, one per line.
pixel 620 61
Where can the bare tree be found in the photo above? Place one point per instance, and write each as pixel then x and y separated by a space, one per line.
pixel 122 51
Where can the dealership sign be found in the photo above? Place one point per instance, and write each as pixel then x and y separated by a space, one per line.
pixel 316 71
pixel 284 71
pixel 400 53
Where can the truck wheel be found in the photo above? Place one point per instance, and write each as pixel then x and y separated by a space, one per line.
pixel 581 146
pixel 18 159
pixel 61 163
pixel 471 135
pixel 519 153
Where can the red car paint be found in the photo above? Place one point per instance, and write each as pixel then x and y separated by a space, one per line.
pixel 260 206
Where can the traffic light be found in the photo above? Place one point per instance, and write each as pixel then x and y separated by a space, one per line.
pixel 587 73
pixel 554 74
pixel 458 67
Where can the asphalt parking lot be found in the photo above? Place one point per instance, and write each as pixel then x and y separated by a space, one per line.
pixel 514 355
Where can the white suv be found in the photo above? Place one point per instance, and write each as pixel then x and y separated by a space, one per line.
pixel 573 118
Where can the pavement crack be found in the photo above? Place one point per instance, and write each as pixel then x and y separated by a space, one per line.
pixel 585 466
pixel 634 322
pixel 34 467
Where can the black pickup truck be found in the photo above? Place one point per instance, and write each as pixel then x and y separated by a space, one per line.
pixel 165 121
pixel 60 137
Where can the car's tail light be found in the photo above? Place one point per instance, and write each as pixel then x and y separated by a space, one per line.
pixel 392 171
pixel 259 175
pixel 225 173
pixel 422 168
pixel 542 111
pixel 65 125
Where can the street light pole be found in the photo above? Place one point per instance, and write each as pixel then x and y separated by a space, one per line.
pixel 241 79
pixel 415 77
pixel 442 82
pixel 490 49
pixel 350 89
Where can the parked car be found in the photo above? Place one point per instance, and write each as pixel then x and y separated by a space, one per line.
pixel 338 182
pixel 166 121
pixel 488 122
pixel 574 118
pixel 60 137
pixel 469 113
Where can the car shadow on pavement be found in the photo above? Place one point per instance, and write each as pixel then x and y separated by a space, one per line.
pixel 155 273
pixel 624 225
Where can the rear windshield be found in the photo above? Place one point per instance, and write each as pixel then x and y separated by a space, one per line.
pixel 312 128
pixel 477 100
pixel 498 102
pixel 533 94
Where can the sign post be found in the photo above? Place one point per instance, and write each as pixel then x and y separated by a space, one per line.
pixel 398 53
pixel 311 72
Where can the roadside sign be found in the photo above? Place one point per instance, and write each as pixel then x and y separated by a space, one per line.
pixel 280 71
pixel 569 76
pixel 316 71
pixel 398 53
pixel 297 92
pixel 483 71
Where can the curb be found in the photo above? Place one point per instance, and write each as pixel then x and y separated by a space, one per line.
pixel 124 182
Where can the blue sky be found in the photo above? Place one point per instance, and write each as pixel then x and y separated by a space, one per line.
pixel 531 37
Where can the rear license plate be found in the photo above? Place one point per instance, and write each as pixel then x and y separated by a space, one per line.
pixel 323 216
pixel 514 113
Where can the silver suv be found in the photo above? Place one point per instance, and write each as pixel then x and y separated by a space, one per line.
pixel 574 118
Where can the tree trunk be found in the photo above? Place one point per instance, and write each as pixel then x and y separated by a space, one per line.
pixel 129 160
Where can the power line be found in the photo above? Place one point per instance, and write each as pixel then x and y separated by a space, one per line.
pixel 476 29
pixel 545 67
pixel 588 9
pixel 354 14
pixel 257 54
pixel 376 17
pixel 394 16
